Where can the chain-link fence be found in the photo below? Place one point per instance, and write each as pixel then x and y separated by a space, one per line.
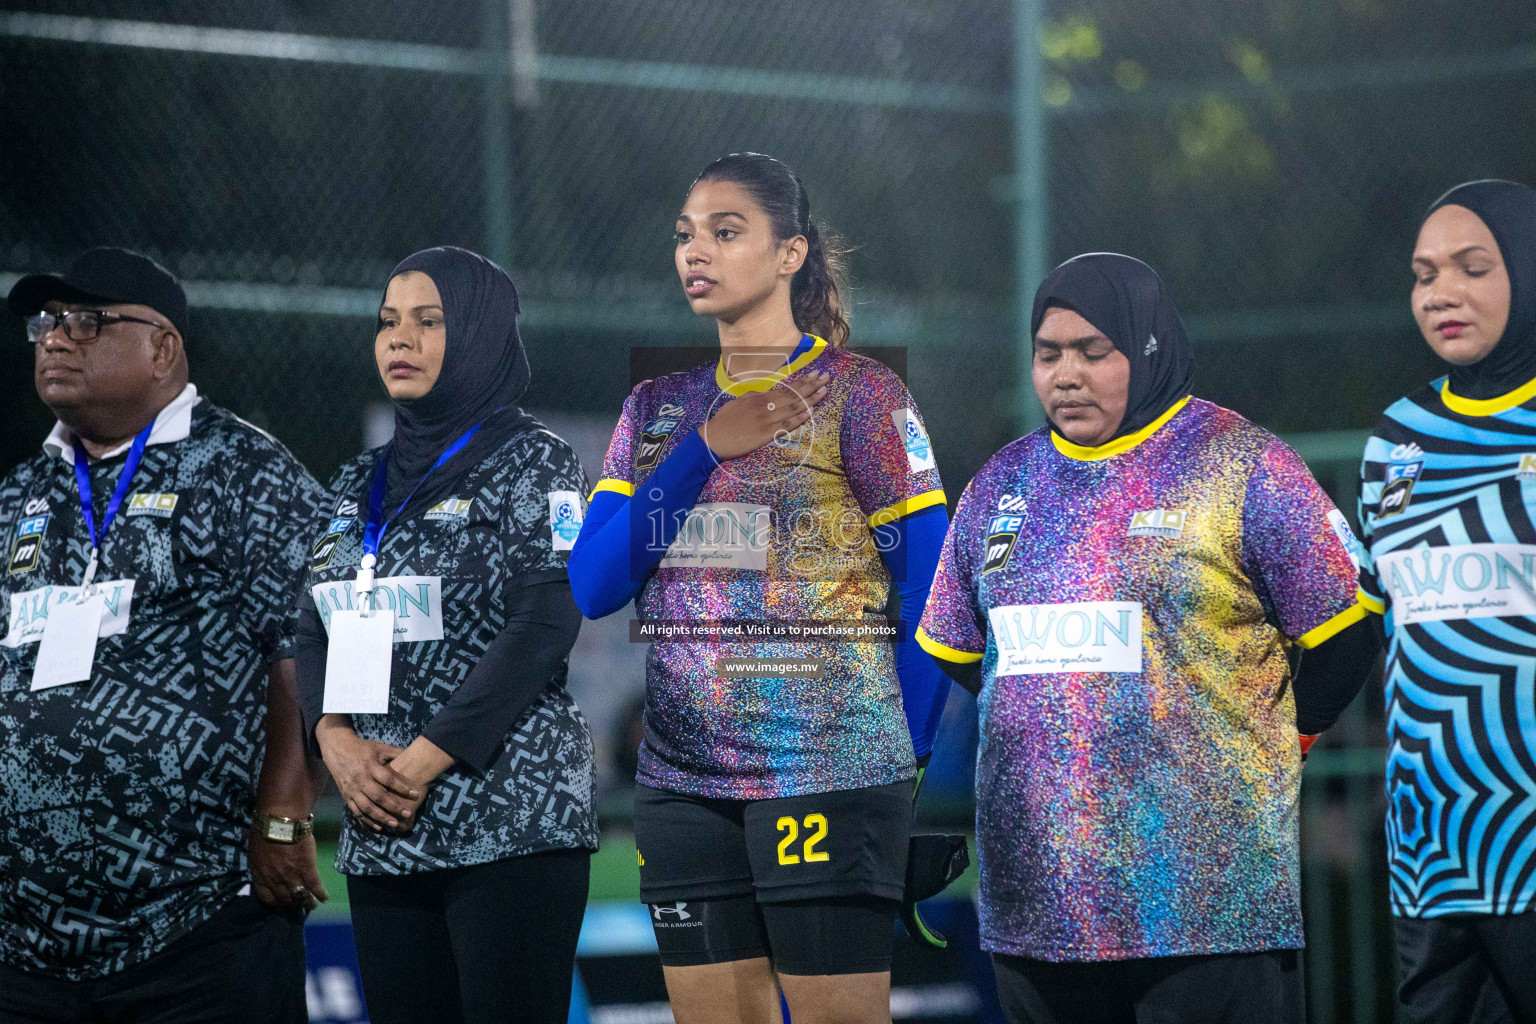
pixel 1270 157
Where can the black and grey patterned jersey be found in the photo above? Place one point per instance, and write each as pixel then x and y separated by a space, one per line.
pixel 447 571
pixel 125 801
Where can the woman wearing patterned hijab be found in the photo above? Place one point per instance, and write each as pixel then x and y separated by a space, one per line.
pixel 469 788
pixel 1447 508
pixel 1122 588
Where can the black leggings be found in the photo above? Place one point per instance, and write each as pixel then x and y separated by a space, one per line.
pixel 490 943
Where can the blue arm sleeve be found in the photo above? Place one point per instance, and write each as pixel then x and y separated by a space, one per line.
pixel 910 547
pixel 608 565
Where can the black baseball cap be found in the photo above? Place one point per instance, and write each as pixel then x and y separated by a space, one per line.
pixel 106 274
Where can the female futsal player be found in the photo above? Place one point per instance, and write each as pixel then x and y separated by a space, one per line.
pixel 469 783
pixel 1128 580
pixel 1447 505
pixel 789 483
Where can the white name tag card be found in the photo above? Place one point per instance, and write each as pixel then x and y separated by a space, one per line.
pixel 68 645
pixel 722 534
pixel 1460 581
pixel 416 602
pixel 31 609
pixel 1079 636
pixel 357 662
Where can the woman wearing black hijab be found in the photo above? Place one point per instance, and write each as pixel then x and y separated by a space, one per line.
pixel 1448 488
pixel 1122 588
pixel 468 782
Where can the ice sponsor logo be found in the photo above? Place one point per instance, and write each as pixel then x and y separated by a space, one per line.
pixel 654 437
pixel 914 438
pixel 1157 522
pixel 29 610
pixel 1406 471
pixel 448 509
pixel 719 534
pixel 28 543
pixel 325 548
pixel 25 552
pixel 145 504
pixel 417 602
pixel 1002 538
pixel 1078 636
pixel 1460 581
pixel 1397 493
pixel 1346 536
pixel 565 518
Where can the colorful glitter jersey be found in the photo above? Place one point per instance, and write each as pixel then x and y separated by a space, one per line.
pixel 448 571
pixel 1447 503
pixel 1131 605
pixel 782 533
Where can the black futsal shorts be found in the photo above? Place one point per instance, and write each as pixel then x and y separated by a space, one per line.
pixel 813 882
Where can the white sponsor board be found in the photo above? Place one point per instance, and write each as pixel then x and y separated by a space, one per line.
pixel 1460 581
pixel 722 534
pixel 29 610
pixel 416 601
pixel 1078 636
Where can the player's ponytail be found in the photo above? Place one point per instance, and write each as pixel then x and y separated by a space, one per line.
pixel 816 292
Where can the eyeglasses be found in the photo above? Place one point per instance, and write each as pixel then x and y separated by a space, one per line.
pixel 79 324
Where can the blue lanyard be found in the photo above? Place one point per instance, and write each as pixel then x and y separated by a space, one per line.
pixel 124 481
pixel 373 531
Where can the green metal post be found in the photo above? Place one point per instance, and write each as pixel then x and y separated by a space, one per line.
pixel 1032 241
pixel 1317 898
pixel 496 131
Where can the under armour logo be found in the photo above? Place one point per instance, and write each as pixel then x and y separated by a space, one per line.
pixel 1151 345
pixel 676 910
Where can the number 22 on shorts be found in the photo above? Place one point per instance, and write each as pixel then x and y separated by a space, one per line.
pixel 816 831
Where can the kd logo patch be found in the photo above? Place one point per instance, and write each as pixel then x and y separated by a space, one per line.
pixel 142 504
pixel 1157 522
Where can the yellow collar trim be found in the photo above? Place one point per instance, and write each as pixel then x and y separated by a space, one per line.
pixel 1119 445
pixel 735 388
pixel 1487 406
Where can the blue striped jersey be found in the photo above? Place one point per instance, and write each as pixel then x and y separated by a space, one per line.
pixel 1448 489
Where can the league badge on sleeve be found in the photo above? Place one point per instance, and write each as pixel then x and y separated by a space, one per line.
pixel 566 515
pixel 1346 536
pixel 915 438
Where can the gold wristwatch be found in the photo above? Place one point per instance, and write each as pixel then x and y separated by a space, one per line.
pixel 276 829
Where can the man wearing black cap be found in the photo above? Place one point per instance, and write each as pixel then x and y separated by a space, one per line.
pixel 152 776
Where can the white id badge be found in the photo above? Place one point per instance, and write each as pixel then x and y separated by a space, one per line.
pixel 68 646
pixel 357 663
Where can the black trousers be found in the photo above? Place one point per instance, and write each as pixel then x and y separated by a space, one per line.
pixel 489 944
pixel 1226 988
pixel 244 965
pixel 1466 969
